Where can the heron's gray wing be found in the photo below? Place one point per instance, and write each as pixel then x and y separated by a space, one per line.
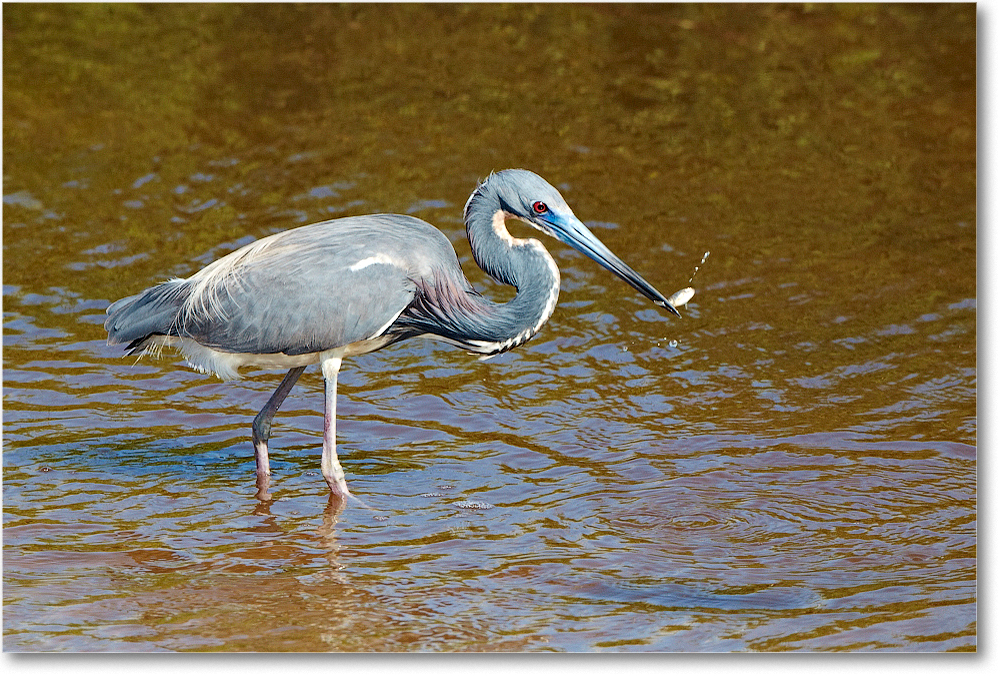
pixel 314 288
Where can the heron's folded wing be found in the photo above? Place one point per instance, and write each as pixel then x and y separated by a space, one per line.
pixel 316 288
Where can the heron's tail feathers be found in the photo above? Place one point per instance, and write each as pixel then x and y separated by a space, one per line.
pixel 155 311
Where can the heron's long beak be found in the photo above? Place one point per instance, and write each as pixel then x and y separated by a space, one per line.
pixel 571 231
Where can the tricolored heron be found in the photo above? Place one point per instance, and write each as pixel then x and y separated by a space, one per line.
pixel 322 292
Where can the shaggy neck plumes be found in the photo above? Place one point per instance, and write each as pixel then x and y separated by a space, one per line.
pixel 451 309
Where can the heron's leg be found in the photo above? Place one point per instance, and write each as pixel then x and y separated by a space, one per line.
pixel 332 471
pixel 262 423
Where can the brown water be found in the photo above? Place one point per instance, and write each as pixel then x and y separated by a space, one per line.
pixel 791 466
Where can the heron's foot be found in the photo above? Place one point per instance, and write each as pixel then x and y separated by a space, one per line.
pixel 338 486
pixel 340 496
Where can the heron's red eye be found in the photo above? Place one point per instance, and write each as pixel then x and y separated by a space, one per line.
pixel 539 207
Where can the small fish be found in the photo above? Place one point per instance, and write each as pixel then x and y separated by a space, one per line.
pixel 682 297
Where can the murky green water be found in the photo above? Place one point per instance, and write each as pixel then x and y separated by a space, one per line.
pixel 792 466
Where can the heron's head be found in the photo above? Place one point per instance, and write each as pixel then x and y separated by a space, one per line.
pixel 530 198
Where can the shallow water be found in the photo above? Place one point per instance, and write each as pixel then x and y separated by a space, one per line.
pixel 791 466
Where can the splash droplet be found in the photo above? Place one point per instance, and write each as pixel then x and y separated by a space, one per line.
pixel 698 267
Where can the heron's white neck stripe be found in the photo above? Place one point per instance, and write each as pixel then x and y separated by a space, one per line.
pixel 489 349
pixel 550 303
pixel 500 228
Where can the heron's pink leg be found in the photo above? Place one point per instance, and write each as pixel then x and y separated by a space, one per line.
pixel 332 471
pixel 262 430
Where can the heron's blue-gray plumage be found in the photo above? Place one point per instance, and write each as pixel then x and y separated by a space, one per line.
pixel 330 290
pixel 298 293
pixel 364 282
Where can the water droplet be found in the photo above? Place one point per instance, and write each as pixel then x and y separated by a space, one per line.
pixel 698 267
pixel 673 343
